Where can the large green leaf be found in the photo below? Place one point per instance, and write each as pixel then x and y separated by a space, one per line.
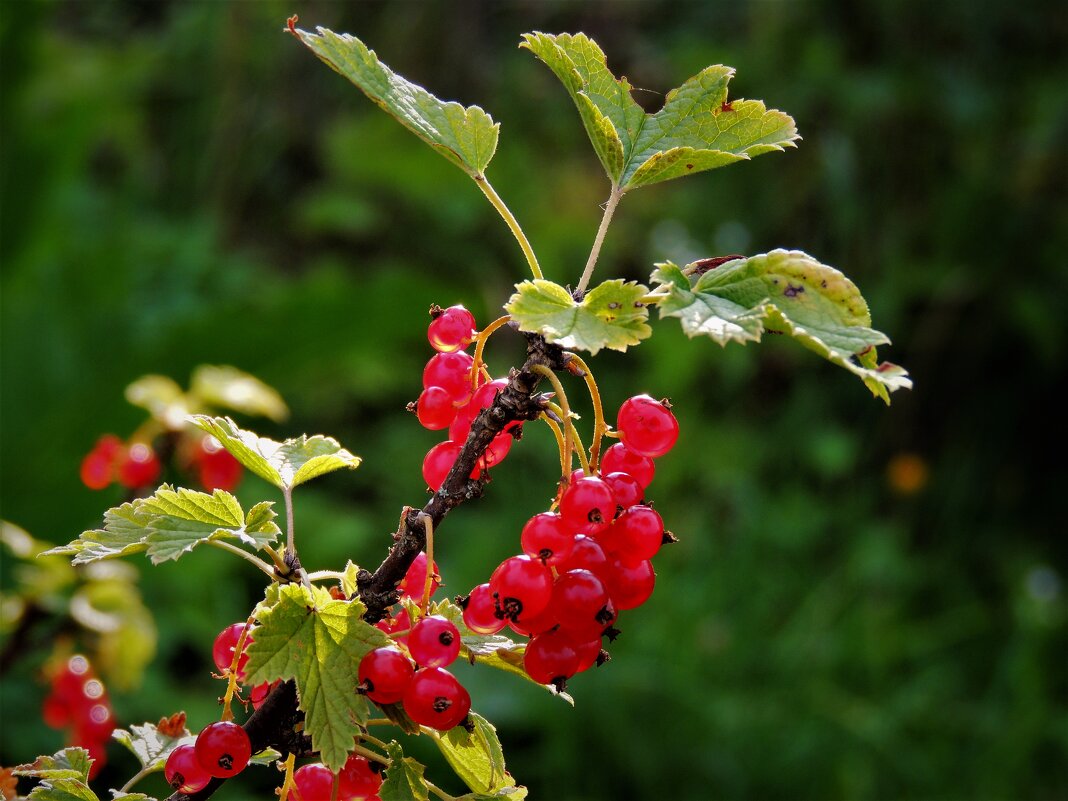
pixel 465 136
pixel 308 636
pixel 785 292
pixel 225 387
pixel 697 129
pixel 612 315
pixel 284 464
pixel 476 756
pixel 404 779
pixel 170 523
pixel 64 776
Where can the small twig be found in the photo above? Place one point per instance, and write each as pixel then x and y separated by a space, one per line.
pixel 428 582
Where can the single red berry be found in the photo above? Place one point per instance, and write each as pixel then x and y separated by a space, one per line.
pixel 222 651
pixel 385 674
pixel 436 699
pixel 217 468
pixel 587 554
pixel 96 470
pixel 359 779
pixel 413 585
pixel 259 693
pixel 140 467
pixel 545 537
pixel 581 605
pixel 588 505
pixel 522 587
pixel 550 657
pixel 451 330
pixel 588 653
pixel 451 372
pixel 647 426
pixel 223 749
pixel 497 449
pixel 620 459
pixel 438 462
pixel 626 489
pixel 435 409
pixel 630 585
pixel 434 642
pixel 183 770
pixel 313 782
pixel 480 611
pixel 639 534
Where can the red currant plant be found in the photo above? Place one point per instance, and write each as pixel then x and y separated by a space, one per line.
pixel 330 655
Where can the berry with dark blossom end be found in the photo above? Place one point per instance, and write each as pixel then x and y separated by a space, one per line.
pixel 620 459
pixel 647 426
pixel 436 699
pixel 140 467
pixel 521 586
pixel 223 749
pixel 183 771
pixel 314 782
pixel 413 585
pixel 550 657
pixel 359 779
pixel 545 537
pixel 588 505
pixel 451 330
pixel 581 605
pixel 451 372
pixel 222 651
pixel 434 642
pixel 480 611
pixel 630 585
pixel 626 489
pixel 385 674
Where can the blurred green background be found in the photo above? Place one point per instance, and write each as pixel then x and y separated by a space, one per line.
pixel 184 184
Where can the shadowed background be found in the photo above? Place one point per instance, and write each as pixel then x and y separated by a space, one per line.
pixel 865 602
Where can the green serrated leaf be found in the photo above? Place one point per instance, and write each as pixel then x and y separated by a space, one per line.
pixel 150 745
pixel 404 779
pixel 786 292
pixel 225 387
pixel 465 136
pixel 697 129
pixel 170 523
pixel 70 763
pixel 284 464
pixel 612 315
pixel 162 398
pixel 514 793
pixel 63 790
pixel 268 756
pixel 476 756
pixel 308 636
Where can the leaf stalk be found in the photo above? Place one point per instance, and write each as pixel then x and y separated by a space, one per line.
pixel 513 224
pixel 595 252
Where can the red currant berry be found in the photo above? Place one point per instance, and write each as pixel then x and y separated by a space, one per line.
pixel 313 782
pixel 183 771
pixel 96 471
pixel 386 674
pixel 527 626
pixel 580 603
pixel 480 611
pixel 497 449
pixel 451 372
pixel 647 426
pixel 436 699
pixel 218 469
pixel 639 533
pixel 435 409
pixel 620 459
pixel 222 651
pixel 521 586
pixel 97 722
pixel 550 657
pixel 588 504
pixel 223 749
pixel 259 693
pixel 451 330
pixel 413 585
pixel 587 554
pixel 57 715
pixel 395 624
pixel 545 537
pixel 359 779
pixel 140 467
pixel 434 642
pixel 630 585
pixel 438 462
pixel 588 654
pixel 625 488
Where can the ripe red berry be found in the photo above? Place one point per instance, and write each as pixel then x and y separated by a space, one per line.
pixel 223 749
pixel 639 534
pixel 434 642
pixel 386 674
pixel 497 449
pixel 620 459
pixel 588 504
pixel 97 722
pixel 359 779
pixel 626 489
pixel 436 699
pixel 545 537
pixel 522 587
pixel 550 657
pixel 183 770
pixel 587 554
pixel 222 651
pixel 630 585
pixel 588 653
pixel 647 426
pixel 258 694
pixel 451 330
pixel 96 471
pixel 57 714
pixel 480 611
pixel 581 605
pixel 217 468
pixel 313 782
pixel 140 467
pixel 435 409
pixel 527 626
pixel 395 624
pixel 413 585
pixel 451 372
pixel 438 462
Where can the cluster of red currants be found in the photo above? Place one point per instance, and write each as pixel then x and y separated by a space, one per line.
pixel 454 392
pixel 587 561
pixel 134 466
pixel 222 750
pixel 79 701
